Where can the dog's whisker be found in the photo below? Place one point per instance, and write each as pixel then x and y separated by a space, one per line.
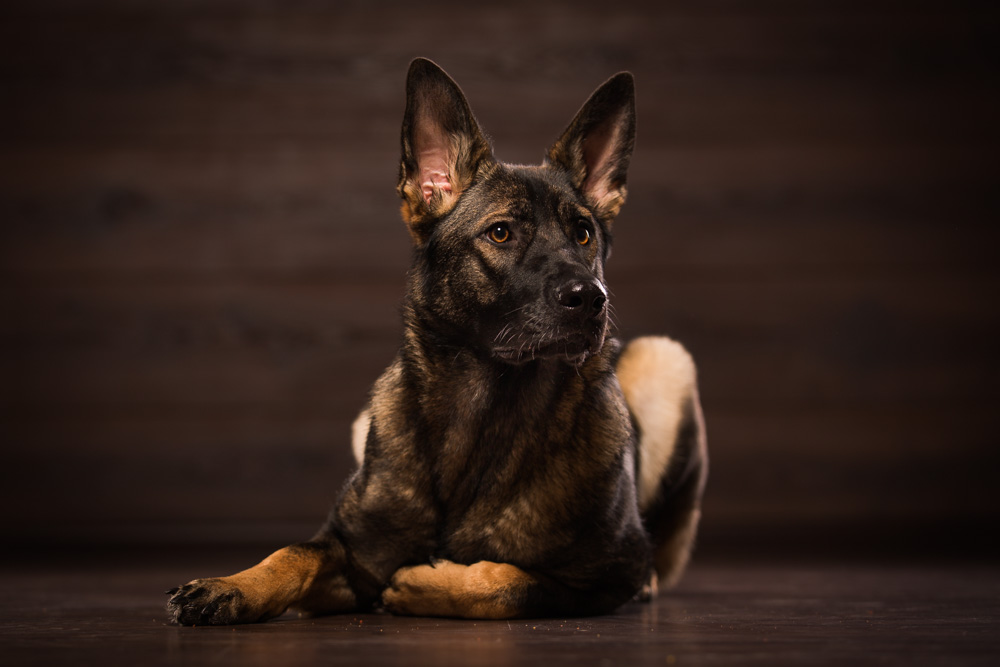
pixel 517 309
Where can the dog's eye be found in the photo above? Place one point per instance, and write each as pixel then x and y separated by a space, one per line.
pixel 582 234
pixel 499 233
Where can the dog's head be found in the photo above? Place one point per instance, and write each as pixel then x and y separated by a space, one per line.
pixel 510 259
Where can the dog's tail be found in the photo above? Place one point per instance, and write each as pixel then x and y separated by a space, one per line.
pixel 659 380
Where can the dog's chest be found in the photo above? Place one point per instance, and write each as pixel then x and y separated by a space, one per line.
pixel 519 527
pixel 517 494
pixel 518 457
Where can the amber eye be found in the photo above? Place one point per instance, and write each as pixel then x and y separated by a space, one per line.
pixel 499 233
pixel 582 234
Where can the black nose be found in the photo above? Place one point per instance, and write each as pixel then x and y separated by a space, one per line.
pixel 585 298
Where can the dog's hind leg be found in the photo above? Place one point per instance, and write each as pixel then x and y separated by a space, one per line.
pixel 659 381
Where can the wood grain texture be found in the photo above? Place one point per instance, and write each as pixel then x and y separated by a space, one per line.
pixel 91 613
pixel 201 257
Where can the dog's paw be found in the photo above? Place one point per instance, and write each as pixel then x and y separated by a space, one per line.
pixel 480 590
pixel 209 602
pixel 649 590
pixel 421 590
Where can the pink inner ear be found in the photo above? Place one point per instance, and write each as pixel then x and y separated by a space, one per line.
pixel 598 151
pixel 431 148
pixel 433 179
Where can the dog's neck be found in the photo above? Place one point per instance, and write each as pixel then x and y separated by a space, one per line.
pixel 471 383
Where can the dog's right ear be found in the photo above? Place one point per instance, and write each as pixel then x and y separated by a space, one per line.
pixel 443 148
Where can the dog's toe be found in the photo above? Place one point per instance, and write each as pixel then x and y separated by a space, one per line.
pixel 208 602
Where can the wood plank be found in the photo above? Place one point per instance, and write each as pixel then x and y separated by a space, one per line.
pixel 523 117
pixel 201 255
pixel 820 340
pixel 250 464
pixel 149 344
pixel 867 466
pixel 722 37
pixel 310 210
pixel 127 467
pixel 728 76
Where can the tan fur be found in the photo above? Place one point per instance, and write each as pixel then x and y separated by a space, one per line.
pixel 481 590
pixel 657 376
pixel 278 580
pixel 359 435
pixel 267 589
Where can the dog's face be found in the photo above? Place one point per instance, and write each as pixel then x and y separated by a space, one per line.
pixel 511 258
pixel 519 267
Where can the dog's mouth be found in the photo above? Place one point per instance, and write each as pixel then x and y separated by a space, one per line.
pixel 573 349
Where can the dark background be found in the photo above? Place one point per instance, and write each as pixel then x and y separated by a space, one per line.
pixel 201 256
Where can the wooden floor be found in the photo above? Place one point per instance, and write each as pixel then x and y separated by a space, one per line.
pixel 724 612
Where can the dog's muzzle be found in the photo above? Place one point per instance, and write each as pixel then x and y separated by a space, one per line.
pixel 569 323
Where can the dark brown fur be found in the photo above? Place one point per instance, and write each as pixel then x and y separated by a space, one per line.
pixel 500 464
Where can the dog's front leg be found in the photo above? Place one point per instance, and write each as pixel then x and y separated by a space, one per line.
pixel 480 590
pixel 309 575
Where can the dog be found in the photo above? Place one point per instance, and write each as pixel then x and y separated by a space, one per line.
pixel 515 459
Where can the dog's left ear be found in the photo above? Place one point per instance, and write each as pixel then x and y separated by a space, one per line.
pixel 596 147
pixel 443 147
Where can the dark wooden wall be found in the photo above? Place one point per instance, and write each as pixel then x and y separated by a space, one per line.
pixel 201 257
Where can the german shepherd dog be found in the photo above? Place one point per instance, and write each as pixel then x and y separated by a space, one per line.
pixel 515 460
